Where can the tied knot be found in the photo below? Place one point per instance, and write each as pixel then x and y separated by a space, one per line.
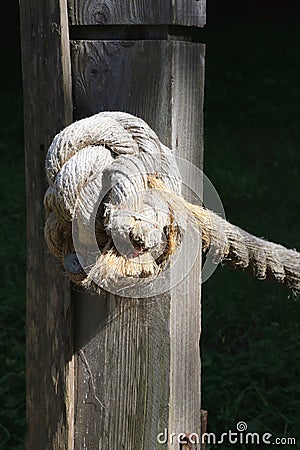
pixel 102 173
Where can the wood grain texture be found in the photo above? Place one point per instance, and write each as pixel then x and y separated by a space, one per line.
pixel 158 12
pixel 138 362
pixel 185 310
pixel 131 76
pixel 47 109
pixel 122 371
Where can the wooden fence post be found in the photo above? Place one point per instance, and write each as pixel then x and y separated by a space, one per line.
pixel 136 362
pixel 47 108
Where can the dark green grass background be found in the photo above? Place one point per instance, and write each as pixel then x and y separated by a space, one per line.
pixel 250 341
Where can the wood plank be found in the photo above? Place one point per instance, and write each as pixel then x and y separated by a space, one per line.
pixel 138 363
pixel 122 371
pixel 135 12
pixel 185 311
pixel 47 109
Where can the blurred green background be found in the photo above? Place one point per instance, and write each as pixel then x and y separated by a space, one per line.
pixel 250 341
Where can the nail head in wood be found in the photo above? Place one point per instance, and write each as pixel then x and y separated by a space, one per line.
pixel 72 264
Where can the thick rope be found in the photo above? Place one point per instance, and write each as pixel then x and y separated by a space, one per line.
pixel 139 219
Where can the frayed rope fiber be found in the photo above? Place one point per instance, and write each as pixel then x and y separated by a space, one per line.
pixel 138 222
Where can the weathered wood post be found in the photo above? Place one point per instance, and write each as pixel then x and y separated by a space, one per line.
pixel 104 371
pixel 47 94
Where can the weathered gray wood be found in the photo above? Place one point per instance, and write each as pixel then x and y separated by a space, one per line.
pixel 185 311
pixel 129 12
pixel 122 373
pixel 47 109
pixel 138 362
pixel 131 76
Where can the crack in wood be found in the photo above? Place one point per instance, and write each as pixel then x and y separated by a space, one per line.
pixel 91 377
